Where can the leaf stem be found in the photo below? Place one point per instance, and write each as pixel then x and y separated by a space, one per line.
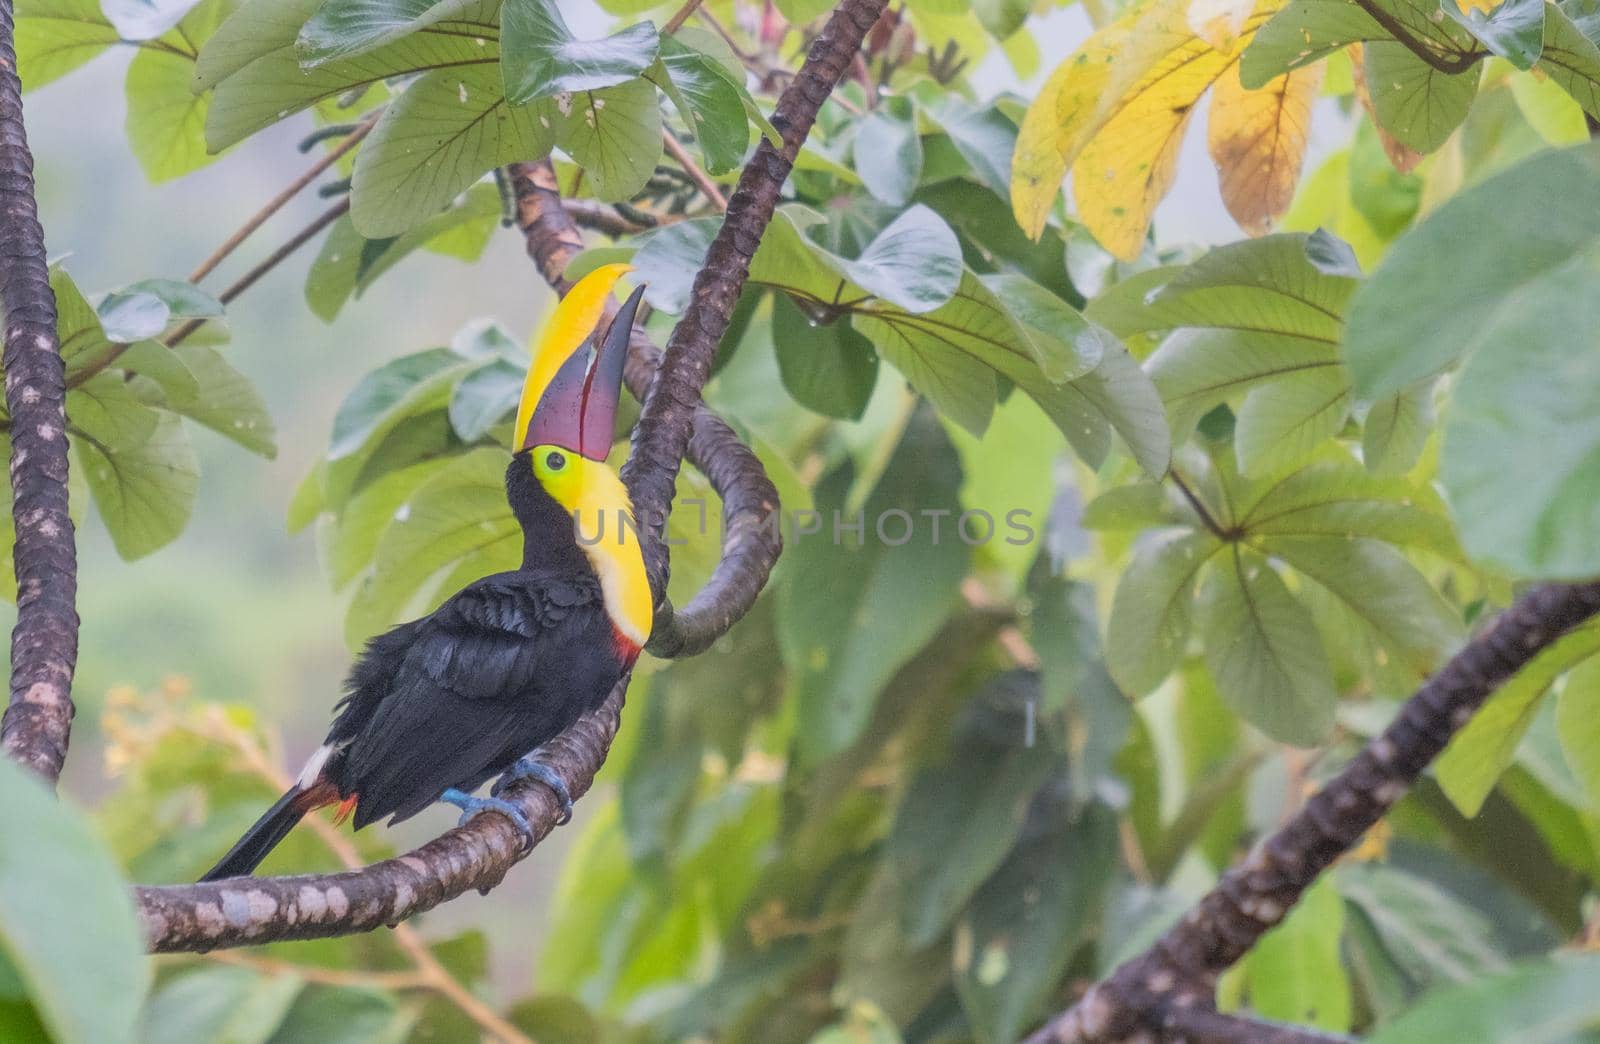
pixel 1392 25
pixel 276 203
pixel 701 179
pixel 1206 517
pixel 679 17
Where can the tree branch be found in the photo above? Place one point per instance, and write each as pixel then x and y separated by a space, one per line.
pixel 750 522
pixel 1180 970
pixel 236 912
pixel 44 643
pixel 665 423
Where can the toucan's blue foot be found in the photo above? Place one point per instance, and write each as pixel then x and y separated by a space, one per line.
pixel 471 806
pixel 529 766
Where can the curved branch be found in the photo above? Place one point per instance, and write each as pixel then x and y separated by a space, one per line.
pixel 751 539
pixel 1180 970
pixel 667 419
pixel 247 911
pixel 244 911
pixel 44 643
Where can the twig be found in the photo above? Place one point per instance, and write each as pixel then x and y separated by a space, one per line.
pixel 44 643
pixel 1180 970
pixel 1204 1026
pixel 751 539
pixel 1392 25
pixel 429 973
pixel 377 980
pixel 276 203
pixel 667 417
pixel 701 179
pixel 680 16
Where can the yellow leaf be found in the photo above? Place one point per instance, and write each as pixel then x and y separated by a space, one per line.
pixel 1258 141
pixel 1219 22
pixel 1121 104
pixel 1047 140
pixel 1128 165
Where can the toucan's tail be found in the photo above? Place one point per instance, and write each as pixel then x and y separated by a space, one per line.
pixel 271 828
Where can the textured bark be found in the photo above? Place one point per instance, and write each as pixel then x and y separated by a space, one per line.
pixel 665 423
pixel 44 644
pixel 751 534
pixel 247 911
pixel 1180 971
pixel 238 912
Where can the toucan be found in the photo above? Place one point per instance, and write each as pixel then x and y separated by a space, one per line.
pixel 437 707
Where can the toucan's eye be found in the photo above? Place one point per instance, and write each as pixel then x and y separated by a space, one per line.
pixel 555 460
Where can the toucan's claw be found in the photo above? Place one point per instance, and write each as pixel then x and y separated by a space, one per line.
pixel 530 766
pixel 472 806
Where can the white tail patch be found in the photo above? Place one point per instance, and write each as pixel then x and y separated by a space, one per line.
pixel 314 765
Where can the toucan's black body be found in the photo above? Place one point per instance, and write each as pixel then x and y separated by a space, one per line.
pixel 455 698
pixel 438 706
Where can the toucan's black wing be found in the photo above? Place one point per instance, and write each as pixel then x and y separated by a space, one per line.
pixel 454 698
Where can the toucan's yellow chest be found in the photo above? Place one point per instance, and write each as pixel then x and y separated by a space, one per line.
pixel 604 527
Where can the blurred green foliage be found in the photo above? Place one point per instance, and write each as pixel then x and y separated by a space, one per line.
pixel 948 770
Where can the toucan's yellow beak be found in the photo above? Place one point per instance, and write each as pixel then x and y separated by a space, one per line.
pixel 575 321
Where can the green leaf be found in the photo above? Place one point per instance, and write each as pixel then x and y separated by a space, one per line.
pixel 143 492
pixel 914 263
pixel 1570 59
pixel 274 86
pixel 387 394
pixel 1378 585
pixel 1578 725
pixel 710 101
pixel 826 367
pixel 1282 422
pixel 155 363
pixel 221 1004
pixel 343 28
pixel 484 397
pixel 986 138
pixel 959 820
pixel 1396 429
pixel 105 409
pixel 1305 31
pixel 1483 750
pixel 343 1016
pixel 254 29
pixel 146 308
pixel 1266 285
pixel 1339 499
pixel 540 57
pixel 54 37
pixel 439 136
pixel 166 120
pixel 1023 926
pixel 870 605
pixel 1549 207
pixel 83 340
pixel 799 12
pixel 888 153
pixel 1197 370
pixel 1415 102
pixel 1532 521
pixel 461 511
pixel 1514 30
pixel 66 922
pixel 1263 651
pixel 614 134
pixel 1295 973
pixel 145 19
pixel 1542 1002
pixel 1148 630
pixel 1063 342
pixel 225 400
pixel 1429 933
